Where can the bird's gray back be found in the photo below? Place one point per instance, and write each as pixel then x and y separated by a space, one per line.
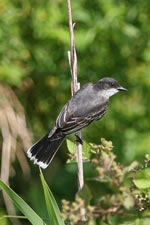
pixel 86 101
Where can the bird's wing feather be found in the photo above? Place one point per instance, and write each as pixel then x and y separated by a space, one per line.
pixel 72 123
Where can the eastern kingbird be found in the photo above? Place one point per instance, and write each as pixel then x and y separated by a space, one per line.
pixel 88 104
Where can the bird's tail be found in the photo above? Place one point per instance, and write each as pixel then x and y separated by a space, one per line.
pixel 43 151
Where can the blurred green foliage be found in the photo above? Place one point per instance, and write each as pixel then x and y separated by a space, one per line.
pixel 112 39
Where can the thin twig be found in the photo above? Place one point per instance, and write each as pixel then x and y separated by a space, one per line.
pixel 74 87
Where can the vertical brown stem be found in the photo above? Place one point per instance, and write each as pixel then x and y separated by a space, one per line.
pixel 74 87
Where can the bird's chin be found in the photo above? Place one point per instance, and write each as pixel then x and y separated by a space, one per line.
pixel 110 92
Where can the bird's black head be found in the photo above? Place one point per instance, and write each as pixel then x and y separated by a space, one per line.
pixel 110 85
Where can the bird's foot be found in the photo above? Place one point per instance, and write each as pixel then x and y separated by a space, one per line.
pixel 78 139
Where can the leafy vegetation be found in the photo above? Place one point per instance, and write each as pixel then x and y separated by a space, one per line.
pixel 112 39
pixel 122 194
pixel 29 214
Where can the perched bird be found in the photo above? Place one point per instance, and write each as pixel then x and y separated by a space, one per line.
pixel 88 104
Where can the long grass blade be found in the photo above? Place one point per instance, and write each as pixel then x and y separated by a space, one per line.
pixel 52 207
pixel 23 207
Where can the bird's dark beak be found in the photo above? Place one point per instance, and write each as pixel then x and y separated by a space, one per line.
pixel 122 89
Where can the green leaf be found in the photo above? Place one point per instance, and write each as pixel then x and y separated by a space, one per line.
pixel 128 201
pixel 145 221
pixel 52 207
pixel 22 205
pixel 86 149
pixel 71 146
pixel 142 179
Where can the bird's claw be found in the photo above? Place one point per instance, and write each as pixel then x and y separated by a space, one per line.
pixel 78 139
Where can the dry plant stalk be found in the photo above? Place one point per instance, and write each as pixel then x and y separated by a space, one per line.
pixel 74 87
pixel 15 137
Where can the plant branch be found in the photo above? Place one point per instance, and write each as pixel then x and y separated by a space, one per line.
pixel 72 56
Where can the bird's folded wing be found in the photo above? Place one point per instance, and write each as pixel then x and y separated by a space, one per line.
pixel 70 123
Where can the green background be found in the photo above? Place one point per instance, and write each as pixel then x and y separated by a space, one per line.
pixel 112 39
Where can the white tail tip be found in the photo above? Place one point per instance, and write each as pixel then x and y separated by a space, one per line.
pixel 33 158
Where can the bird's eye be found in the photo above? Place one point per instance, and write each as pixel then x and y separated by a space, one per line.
pixel 112 84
